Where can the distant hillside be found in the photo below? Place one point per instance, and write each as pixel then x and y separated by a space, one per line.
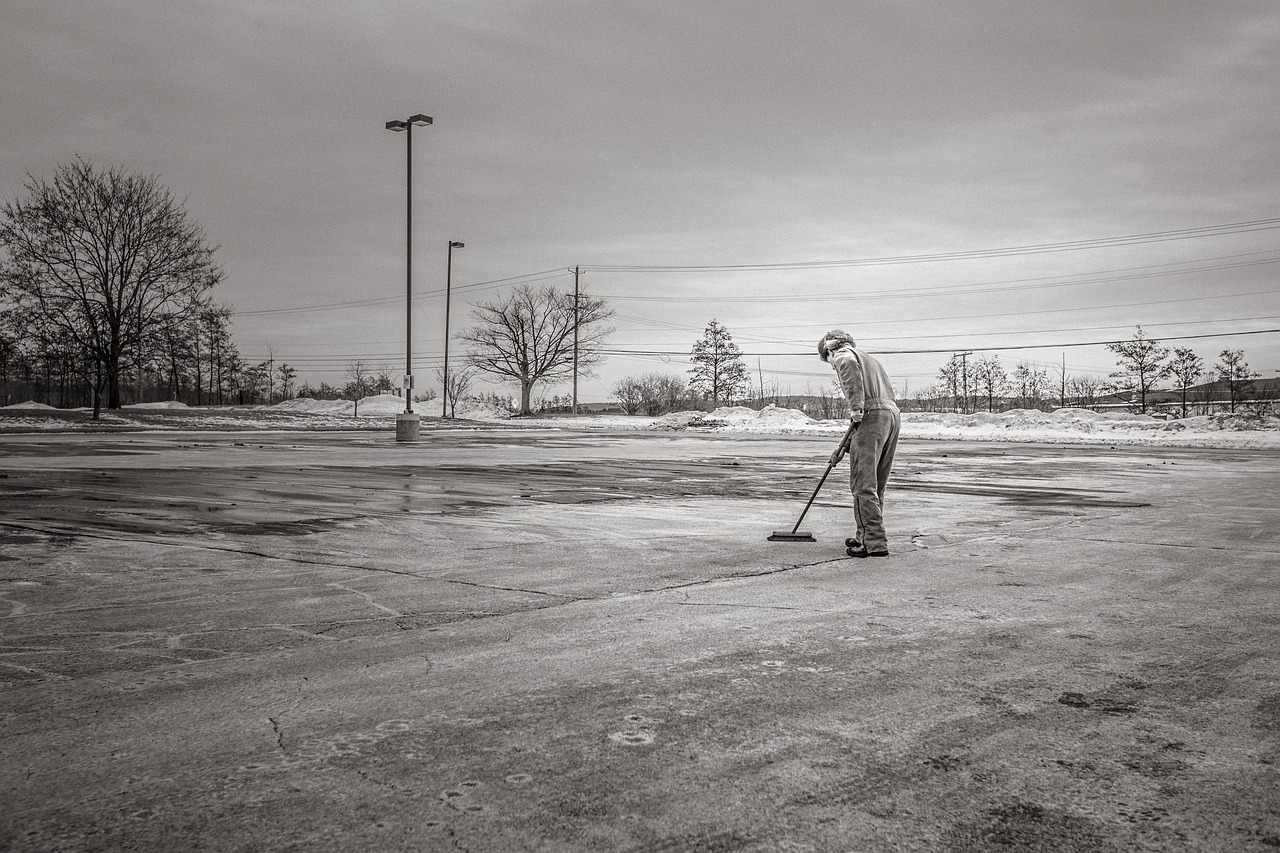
pixel 1215 392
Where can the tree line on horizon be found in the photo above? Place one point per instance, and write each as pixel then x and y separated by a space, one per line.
pixel 719 374
pixel 106 297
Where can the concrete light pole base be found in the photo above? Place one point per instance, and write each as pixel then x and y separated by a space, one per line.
pixel 407 426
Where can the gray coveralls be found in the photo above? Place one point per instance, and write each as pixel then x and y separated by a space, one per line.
pixel 869 391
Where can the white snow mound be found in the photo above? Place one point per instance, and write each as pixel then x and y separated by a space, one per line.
pixel 312 406
pixel 30 404
pixel 163 404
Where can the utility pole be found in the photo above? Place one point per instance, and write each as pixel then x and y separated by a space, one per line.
pixel 407 423
pixel 448 287
pixel 964 380
pixel 1064 381
pixel 576 272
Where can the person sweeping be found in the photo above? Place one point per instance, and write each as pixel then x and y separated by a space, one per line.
pixel 873 412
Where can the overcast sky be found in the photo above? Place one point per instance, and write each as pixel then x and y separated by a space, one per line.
pixel 783 137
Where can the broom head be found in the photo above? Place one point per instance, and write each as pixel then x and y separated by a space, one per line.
pixel 792 536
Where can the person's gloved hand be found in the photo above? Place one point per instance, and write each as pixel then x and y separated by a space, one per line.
pixel 844 446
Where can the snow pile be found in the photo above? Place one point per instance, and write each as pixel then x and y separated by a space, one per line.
pixel 770 419
pixel 674 421
pixel 317 407
pixel 482 410
pixel 30 404
pixel 379 405
pixel 1081 426
pixel 1239 421
pixel 731 418
pixel 784 418
pixel 165 404
pixel 1063 426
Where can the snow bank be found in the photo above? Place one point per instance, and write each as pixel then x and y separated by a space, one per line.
pixel 166 404
pixel 479 410
pixel 379 405
pixel 30 404
pixel 1063 426
pixel 741 419
pixel 1081 426
pixel 315 407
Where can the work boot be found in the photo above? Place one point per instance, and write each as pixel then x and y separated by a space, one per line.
pixel 861 551
pixel 853 542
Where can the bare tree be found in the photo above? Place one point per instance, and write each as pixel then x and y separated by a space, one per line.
pixel 1185 368
pixel 529 337
pixel 929 398
pixel 456 386
pixel 287 375
pixel 629 392
pixel 1031 385
pixel 650 393
pixel 104 256
pixel 382 381
pixel 662 393
pixel 959 380
pixel 1085 390
pixel 1235 372
pixel 990 379
pixel 361 384
pixel 1142 362
pixel 214 323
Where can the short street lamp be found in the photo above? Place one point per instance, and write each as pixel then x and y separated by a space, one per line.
pixel 448 283
pixel 407 423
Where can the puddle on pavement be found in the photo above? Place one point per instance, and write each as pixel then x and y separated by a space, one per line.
pixel 299 501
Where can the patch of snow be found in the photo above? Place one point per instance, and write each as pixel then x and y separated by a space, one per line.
pixel 477 410
pixel 311 406
pixel 166 404
pixel 1064 426
pixel 30 404
pixel 675 420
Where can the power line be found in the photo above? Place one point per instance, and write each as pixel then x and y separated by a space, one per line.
pixel 981 287
pixel 1056 345
pixel 1004 251
pixel 949 317
pixel 527 278
pixel 302 359
pixel 1017 284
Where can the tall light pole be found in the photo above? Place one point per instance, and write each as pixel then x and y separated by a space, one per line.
pixel 407 423
pixel 576 273
pixel 448 284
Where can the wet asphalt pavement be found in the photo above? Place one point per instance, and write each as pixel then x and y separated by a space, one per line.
pixel 535 640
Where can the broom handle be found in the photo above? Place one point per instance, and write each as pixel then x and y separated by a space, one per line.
pixel 843 442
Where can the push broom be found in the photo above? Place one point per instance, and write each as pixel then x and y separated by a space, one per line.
pixel 795 534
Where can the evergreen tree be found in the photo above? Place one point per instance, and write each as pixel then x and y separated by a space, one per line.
pixel 718 370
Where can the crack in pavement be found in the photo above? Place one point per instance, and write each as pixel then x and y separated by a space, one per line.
pixel 754 606
pixel 368 598
pixel 275 727
pixel 746 576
